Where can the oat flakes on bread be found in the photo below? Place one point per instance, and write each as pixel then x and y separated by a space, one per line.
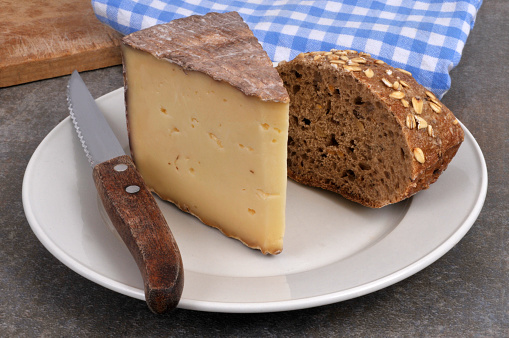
pixel 364 129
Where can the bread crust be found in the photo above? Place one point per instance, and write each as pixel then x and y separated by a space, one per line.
pixel 432 134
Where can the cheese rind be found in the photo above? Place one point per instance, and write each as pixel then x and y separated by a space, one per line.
pixel 209 148
pixel 220 45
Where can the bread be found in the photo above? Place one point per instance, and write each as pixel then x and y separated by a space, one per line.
pixel 364 129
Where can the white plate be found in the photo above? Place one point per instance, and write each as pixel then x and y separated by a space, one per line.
pixel 334 249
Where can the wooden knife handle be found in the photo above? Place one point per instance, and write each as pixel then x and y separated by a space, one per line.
pixel 143 228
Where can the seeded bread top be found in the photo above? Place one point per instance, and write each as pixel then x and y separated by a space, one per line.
pixel 429 126
pixel 219 45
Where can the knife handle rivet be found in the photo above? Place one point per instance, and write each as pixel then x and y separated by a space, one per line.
pixel 132 189
pixel 120 167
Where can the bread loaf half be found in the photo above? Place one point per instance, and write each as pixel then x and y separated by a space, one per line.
pixel 364 129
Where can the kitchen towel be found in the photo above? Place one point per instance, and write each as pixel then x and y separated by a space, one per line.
pixel 424 37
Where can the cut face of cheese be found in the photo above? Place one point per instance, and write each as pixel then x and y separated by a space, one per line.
pixel 206 146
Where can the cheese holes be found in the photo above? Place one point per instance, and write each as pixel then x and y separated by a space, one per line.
pixel 194 121
pixel 214 138
pixel 245 147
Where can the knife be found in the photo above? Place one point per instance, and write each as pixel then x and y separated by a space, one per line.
pixel 129 204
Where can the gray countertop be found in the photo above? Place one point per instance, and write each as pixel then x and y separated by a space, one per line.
pixel 464 293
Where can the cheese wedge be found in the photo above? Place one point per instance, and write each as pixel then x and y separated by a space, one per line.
pixel 207 118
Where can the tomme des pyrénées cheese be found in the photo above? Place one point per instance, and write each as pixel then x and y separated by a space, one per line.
pixel 207 118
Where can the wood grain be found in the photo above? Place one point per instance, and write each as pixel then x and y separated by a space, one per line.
pixel 43 39
pixel 144 230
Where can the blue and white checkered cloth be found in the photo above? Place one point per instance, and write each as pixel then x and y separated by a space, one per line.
pixel 424 37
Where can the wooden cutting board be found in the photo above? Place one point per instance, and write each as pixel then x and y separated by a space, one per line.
pixel 40 39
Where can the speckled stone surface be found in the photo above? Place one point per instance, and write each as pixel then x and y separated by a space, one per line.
pixel 463 294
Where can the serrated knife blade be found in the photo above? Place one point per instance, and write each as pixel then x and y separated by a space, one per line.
pixel 128 202
pixel 98 140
